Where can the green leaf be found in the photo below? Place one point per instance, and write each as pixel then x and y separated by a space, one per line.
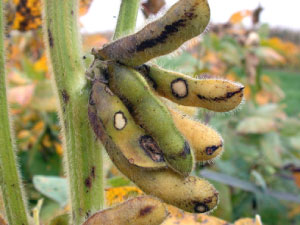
pixel 272 148
pixel 55 188
pixel 118 182
pixel 256 125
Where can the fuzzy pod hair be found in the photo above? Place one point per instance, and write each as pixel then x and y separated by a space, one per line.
pixel 144 210
pixel 191 194
pixel 137 147
pixel 206 143
pixel 183 21
pixel 214 94
pixel 152 115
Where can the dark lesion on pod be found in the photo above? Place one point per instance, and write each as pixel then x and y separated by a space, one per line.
pixel 179 88
pixel 222 98
pixel 201 207
pixel 211 149
pixel 145 71
pixel 120 121
pixel 151 148
pixel 186 150
pixel 163 36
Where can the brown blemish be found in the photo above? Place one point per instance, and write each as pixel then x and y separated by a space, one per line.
pixel 145 70
pixel 211 149
pixel 146 210
pixel 50 38
pixel 164 35
pixel 88 182
pixel 65 96
pixel 91 100
pixel 186 150
pixel 222 98
pixel 173 88
pixel 151 148
pixel 201 207
pixel 93 172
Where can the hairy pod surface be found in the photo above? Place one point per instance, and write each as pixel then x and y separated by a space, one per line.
pixel 137 147
pixel 191 194
pixel 152 115
pixel 214 94
pixel 144 210
pixel 183 21
pixel 205 141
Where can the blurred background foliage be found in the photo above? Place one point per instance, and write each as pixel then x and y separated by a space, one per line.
pixel 259 171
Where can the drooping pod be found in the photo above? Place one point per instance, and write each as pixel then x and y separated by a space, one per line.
pixel 205 141
pixel 213 94
pixel 191 194
pixel 143 210
pixel 183 21
pixel 137 147
pixel 152 115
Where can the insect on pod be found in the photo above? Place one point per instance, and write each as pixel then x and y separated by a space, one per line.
pixel 183 21
pixel 137 147
pixel 152 115
pixel 213 94
pixel 191 194
pixel 143 210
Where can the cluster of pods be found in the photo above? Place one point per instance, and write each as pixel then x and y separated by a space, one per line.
pixel 148 140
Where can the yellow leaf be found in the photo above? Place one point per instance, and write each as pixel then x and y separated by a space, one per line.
pixel 239 16
pixel 58 148
pixel 118 195
pixel 46 141
pixel 249 221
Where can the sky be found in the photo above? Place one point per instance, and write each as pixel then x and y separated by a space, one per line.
pixel 102 15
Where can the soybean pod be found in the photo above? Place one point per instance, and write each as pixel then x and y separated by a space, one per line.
pixel 152 115
pixel 213 94
pixel 183 21
pixel 137 147
pixel 191 194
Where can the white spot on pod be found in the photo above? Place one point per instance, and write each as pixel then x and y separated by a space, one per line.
pixel 179 88
pixel 120 120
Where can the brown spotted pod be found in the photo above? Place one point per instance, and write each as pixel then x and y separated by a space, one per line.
pixel 144 210
pixel 191 194
pixel 183 21
pixel 152 115
pixel 214 94
pixel 137 147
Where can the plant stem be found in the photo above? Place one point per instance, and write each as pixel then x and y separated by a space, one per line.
pixel 127 18
pixel 83 154
pixel 10 179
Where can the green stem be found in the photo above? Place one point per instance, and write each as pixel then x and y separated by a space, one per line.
pixel 10 179
pixel 83 154
pixel 127 18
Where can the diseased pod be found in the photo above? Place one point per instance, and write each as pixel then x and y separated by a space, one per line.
pixel 205 142
pixel 142 210
pixel 191 194
pixel 213 94
pixel 152 115
pixel 137 147
pixel 149 141
pixel 185 20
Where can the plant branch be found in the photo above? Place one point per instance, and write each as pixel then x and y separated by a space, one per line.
pixel 11 184
pixel 83 154
pixel 127 18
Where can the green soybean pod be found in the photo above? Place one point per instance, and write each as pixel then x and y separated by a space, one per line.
pixel 213 94
pixel 192 194
pixel 183 21
pixel 152 115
